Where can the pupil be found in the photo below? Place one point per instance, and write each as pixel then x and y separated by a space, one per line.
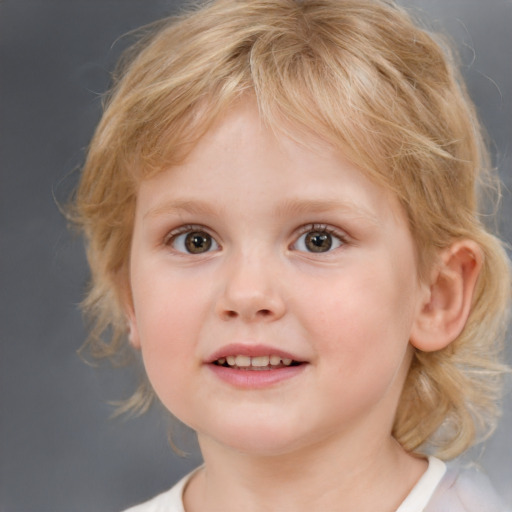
pixel 198 242
pixel 318 242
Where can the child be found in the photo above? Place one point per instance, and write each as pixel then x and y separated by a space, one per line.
pixel 281 216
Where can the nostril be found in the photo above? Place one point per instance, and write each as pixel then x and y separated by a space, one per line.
pixel 261 313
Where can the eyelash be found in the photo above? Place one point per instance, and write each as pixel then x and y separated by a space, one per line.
pixel 171 237
pixel 341 236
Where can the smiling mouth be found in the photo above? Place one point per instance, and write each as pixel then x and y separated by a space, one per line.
pixel 257 363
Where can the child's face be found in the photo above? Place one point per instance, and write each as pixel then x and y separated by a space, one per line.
pixel 258 246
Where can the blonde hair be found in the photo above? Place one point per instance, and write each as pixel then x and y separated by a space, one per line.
pixel 363 76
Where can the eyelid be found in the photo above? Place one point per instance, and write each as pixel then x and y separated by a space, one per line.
pixel 325 228
pixel 187 228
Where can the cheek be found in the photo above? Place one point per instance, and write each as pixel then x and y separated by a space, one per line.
pixel 169 320
pixel 362 340
pixel 168 355
pixel 166 304
pixel 363 316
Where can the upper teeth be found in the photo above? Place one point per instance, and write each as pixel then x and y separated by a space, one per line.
pixel 258 361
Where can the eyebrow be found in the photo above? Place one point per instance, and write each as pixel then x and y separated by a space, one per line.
pixel 289 207
pixel 191 206
pixel 304 206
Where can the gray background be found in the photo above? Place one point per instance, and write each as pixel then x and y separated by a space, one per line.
pixel 59 450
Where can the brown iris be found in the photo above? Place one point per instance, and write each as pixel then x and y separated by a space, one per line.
pixel 198 242
pixel 318 241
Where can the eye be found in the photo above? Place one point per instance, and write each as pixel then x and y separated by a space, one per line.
pixel 319 239
pixel 192 242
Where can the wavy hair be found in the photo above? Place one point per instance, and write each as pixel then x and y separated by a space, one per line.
pixel 369 80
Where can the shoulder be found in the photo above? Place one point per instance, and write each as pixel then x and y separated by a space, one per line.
pixel 168 501
pixel 465 491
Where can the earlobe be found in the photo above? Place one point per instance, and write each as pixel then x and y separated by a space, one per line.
pixel 133 332
pixel 443 314
pixel 126 300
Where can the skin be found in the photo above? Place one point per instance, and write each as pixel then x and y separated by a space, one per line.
pixel 321 439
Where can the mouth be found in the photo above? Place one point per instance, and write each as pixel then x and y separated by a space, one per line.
pixel 256 363
pixel 255 366
pixel 250 368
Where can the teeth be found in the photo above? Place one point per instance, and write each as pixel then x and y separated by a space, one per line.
pixel 257 362
pixel 243 361
pixel 275 360
pixel 260 361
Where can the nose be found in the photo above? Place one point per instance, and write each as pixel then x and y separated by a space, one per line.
pixel 251 291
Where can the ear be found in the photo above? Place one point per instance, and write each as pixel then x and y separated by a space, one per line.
pixel 443 314
pixel 124 295
pixel 133 332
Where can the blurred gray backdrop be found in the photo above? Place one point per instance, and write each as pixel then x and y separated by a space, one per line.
pixel 59 449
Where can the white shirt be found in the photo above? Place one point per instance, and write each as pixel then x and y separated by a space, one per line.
pixel 438 490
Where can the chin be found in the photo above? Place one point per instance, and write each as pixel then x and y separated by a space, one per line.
pixel 259 439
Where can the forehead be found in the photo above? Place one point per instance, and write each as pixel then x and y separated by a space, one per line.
pixel 226 125
pixel 242 160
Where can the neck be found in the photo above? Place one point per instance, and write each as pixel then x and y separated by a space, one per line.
pixel 332 476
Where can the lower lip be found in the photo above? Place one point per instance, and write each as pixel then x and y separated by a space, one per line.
pixel 255 379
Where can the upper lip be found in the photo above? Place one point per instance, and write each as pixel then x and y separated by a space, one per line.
pixel 251 350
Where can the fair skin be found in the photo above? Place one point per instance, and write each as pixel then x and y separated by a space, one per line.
pixel 259 246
